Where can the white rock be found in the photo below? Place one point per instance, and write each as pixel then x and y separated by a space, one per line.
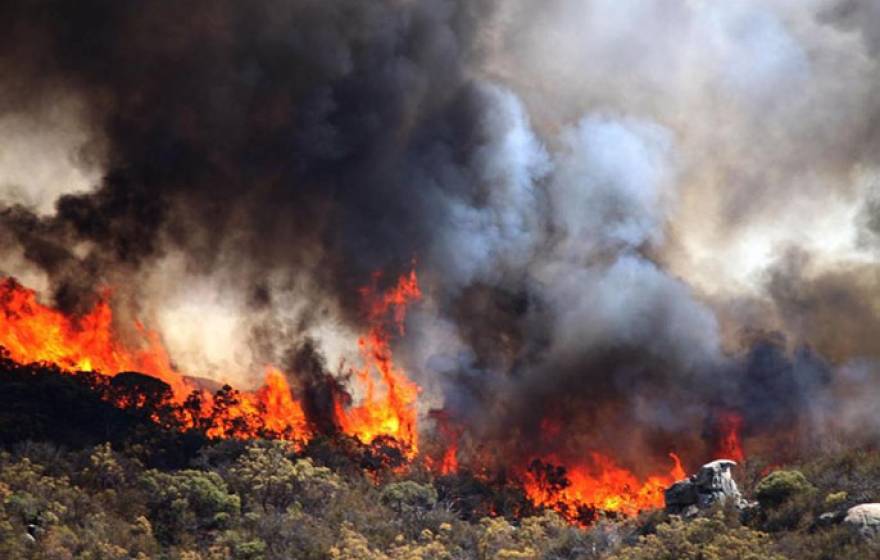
pixel 712 484
pixel 865 518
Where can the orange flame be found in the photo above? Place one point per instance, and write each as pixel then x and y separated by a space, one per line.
pixel 599 485
pixel 730 444
pixel 446 461
pixel 449 462
pixel 33 332
pixel 392 413
pixel 271 410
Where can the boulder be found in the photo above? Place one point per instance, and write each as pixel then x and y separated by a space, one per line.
pixel 829 519
pixel 865 518
pixel 681 494
pixel 712 484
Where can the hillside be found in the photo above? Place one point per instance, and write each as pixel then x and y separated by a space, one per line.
pixel 83 479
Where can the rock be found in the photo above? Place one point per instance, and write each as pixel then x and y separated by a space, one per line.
pixel 35 530
pixel 713 484
pixel 830 518
pixel 865 518
pixel 681 494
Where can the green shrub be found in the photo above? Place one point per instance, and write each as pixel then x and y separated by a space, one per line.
pixel 188 503
pixel 409 496
pixel 269 480
pixel 704 538
pixel 779 486
pixel 788 501
pixel 260 501
pixel 835 499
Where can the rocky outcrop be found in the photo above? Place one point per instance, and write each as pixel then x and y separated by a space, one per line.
pixel 712 484
pixel 865 518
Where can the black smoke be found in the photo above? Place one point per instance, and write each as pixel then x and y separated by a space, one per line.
pixel 289 135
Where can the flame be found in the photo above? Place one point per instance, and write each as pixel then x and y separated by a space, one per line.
pixel 578 491
pixel 446 462
pixel 271 410
pixel 730 443
pixel 392 412
pixel 33 332
pixel 283 412
pixel 449 462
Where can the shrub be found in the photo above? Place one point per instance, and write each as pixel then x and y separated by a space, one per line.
pixel 855 472
pixel 835 499
pixel 543 536
pixel 270 481
pixel 779 486
pixel 833 543
pixel 409 497
pixel 188 502
pixel 705 538
pixel 104 470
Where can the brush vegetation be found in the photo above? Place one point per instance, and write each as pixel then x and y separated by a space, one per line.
pixel 263 500
pixel 80 479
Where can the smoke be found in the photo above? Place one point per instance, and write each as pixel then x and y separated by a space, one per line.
pixel 272 149
pixel 570 319
pixel 858 15
pixel 601 198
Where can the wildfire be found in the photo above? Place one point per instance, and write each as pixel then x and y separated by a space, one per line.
pixel 391 413
pixel 385 414
pixel 578 491
pixel 33 332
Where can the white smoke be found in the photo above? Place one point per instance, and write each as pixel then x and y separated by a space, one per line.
pixel 47 154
